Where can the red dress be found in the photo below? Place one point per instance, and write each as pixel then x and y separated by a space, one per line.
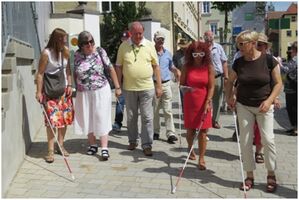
pixel 196 77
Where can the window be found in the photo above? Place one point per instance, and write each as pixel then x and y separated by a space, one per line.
pixel 108 6
pixel 289 33
pixel 213 28
pixel 206 7
pixel 294 18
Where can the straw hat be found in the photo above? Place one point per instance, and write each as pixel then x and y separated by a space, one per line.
pixel 183 43
pixel 159 34
pixel 263 38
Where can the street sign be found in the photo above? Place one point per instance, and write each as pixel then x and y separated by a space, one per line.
pixel 284 23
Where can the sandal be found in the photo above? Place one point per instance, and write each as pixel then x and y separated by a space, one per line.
pixel 259 158
pixel 249 183
pixel 105 154
pixel 202 166
pixel 50 157
pixel 271 184
pixel 192 155
pixel 65 153
pixel 92 150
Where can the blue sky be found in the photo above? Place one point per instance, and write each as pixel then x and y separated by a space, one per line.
pixel 281 6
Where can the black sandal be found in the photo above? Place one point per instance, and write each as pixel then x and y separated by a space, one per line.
pixel 105 154
pixel 92 150
pixel 271 184
pixel 259 158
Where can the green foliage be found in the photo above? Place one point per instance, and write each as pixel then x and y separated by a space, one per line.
pixel 116 22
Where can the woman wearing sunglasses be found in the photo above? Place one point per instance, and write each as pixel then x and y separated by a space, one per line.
pixel 198 74
pixel 93 100
pixel 258 86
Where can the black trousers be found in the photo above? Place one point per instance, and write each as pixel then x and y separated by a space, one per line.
pixel 291 105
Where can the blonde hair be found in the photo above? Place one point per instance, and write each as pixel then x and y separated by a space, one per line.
pixel 248 35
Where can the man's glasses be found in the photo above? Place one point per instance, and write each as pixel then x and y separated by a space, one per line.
pixel 200 54
pixel 241 44
pixel 160 39
pixel 88 42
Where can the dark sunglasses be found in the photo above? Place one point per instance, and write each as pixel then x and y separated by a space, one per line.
pixel 160 39
pixel 241 44
pixel 260 44
pixel 88 42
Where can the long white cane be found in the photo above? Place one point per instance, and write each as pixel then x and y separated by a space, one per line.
pixel 240 156
pixel 65 160
pixel 191 149
pixel 180 122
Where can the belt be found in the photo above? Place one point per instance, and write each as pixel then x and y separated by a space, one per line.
pixel 163 81
pixel 218 75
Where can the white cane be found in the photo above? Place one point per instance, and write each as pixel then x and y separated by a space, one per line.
pixel 65 160
pixel 240 156
pixel 180 122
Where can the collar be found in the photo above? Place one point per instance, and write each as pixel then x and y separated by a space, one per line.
pixel 142 43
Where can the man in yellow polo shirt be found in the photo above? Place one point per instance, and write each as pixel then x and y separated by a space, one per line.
pixel 136 63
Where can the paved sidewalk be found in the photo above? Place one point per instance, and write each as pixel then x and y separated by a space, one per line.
pixel 130 174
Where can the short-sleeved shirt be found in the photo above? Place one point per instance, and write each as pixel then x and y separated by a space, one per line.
pixel 254 80
pixel 218 57
pixel 89 70
pixel 136 62
pixel 165 63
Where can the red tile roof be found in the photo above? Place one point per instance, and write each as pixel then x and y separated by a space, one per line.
pixel 292 8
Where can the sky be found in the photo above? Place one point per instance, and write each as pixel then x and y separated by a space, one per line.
pixel 281 6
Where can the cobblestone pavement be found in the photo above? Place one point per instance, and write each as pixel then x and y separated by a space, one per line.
pixel 130 174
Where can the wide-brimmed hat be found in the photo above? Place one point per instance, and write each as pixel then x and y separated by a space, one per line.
pixel 183 43
pixel 263 38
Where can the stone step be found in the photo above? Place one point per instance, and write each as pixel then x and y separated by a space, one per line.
pixel 9 65
pixel 5 101
pixel 6 82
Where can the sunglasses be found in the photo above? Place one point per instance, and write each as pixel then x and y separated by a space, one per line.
pixel 241 44
pixel 88 42
pixel 260 44
pixel 200 54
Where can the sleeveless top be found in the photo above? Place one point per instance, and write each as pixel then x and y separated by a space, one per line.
pixel 54 65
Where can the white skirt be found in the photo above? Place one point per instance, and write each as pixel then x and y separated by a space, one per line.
pixel 93 112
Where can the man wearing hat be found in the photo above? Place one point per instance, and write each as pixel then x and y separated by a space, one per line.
pixel 179 59
pixel 164 102
pixel 120 104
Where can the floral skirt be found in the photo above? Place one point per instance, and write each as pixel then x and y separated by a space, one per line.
pixel 60 111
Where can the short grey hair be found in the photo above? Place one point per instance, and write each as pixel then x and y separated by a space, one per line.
pixel 83 37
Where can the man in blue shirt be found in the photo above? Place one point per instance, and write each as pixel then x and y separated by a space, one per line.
pixel 219 61
pixel 165 101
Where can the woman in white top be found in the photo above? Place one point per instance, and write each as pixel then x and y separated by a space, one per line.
pixel 59 110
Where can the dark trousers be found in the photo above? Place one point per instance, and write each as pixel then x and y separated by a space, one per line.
pixel 291 105
pixel 119 110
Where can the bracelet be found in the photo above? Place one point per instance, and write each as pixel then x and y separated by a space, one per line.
pixel 117 88
pixel 69 86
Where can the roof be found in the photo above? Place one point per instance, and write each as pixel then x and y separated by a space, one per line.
pixel 279 14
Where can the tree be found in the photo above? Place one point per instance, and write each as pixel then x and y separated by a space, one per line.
pixel 117 21
pixel 226 7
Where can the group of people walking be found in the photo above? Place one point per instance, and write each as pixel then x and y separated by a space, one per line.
pixel 142 77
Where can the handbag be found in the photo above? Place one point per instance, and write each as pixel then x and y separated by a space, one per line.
pixel 54 84
pixel 106 70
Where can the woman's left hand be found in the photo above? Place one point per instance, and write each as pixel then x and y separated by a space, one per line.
pixel 69 91
pixel 265 106
pixel 207 106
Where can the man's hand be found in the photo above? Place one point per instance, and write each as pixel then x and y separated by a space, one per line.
pixel 158 92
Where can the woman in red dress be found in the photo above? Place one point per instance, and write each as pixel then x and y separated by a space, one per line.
pixel 198 75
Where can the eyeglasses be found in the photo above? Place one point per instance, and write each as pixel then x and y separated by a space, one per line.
pixel 88 42
pixel 241 44
pixel 160 39
pixel 259 44
pixel 200 54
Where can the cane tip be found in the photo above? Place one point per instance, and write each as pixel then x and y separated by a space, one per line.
pixel 73 177
pixel 173 190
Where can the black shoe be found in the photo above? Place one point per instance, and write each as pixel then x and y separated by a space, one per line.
pixel 92 150
pixel 156 136
pixel 171 139
pixel 105 154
